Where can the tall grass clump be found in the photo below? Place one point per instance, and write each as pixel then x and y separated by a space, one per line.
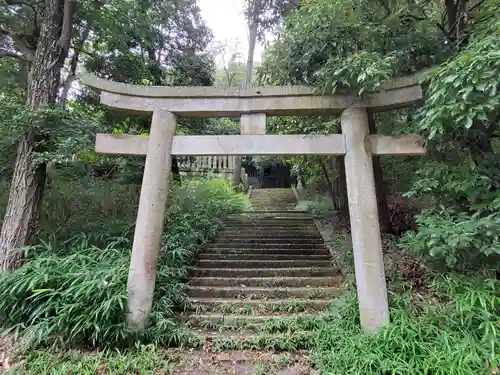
pixel 75 292
pixel 452 330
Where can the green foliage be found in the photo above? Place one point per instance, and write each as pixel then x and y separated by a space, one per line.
pixel 462 94
pixel 220 126
pixel 461 186
pixel 76 202
pixel 453 330
pixel 143 359
pixel 266 161
pixel 360 72
pixel 76 292
pixel 460 119
pixel 323 38
pixel 462 240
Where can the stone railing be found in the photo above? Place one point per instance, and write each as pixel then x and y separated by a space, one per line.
pixel 222 165
pixel 205 163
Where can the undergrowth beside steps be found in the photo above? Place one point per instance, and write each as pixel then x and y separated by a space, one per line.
pixel 75 292
pixel 452 329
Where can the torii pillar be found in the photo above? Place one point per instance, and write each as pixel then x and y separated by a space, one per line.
pixel 363 212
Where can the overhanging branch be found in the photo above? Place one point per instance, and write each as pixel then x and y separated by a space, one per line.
pixel 5 53
pixel 17 2
pixel 18 40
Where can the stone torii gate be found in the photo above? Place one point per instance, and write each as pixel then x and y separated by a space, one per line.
pixel 254 105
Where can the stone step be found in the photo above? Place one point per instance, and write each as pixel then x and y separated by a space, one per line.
pixel 272 214
pixel 271 229
pixel 265 272
pixel 286 198
pixel 322 251
pixel 276 199
pixel 269 235
pixel 266 240
pixel 275 216
pixel 262 306
pixel 267 281
pixel 282 222
pixel 246 339
pixel 266 232
pixel 268 206
pixel 262 292
pixel 308 221
pixel 250 256
pixel 283 205
pixel 274 222
pixel 267 245
pixel 238 321
pixel 262 263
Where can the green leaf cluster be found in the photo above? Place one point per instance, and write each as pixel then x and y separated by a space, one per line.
pixel 76 292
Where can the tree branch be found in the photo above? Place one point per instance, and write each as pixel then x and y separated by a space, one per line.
pixel 67 26
pixel 19 41
pixel 17 2
pixel 5 53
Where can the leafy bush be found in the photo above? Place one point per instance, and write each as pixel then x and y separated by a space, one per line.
pixel 454 330
pixel 76 292
pixel 462 230
pixel 76 203
pixel 459 120
pixel 459 240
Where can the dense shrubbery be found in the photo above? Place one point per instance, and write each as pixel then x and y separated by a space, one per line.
pixel 76 292
pixel 452 330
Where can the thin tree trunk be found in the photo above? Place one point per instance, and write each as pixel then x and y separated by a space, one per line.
pixel 380 188
pixel 246 84
pixel 174 169
pixel 328 182
pixel 73 66
pixel 341 186
pixel 26 191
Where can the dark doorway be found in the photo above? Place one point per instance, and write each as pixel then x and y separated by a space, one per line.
pixel 276 176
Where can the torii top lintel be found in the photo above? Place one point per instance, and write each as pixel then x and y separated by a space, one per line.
pixel 274 101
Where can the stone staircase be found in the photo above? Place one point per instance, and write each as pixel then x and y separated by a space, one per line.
pixel 264 265
pixel 273 200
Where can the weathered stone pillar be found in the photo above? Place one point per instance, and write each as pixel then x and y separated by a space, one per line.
pixel 250 124
pixel 236 171
pixel 366 241
pixel 150 220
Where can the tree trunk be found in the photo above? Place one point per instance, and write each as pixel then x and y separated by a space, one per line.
pixel 174 169
pixel 73 65
pixel 246 84
pixel 328 183
pixel 380 188
pixel 340 186
pixel 26 191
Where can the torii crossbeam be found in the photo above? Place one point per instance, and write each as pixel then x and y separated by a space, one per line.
pixel 254 105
